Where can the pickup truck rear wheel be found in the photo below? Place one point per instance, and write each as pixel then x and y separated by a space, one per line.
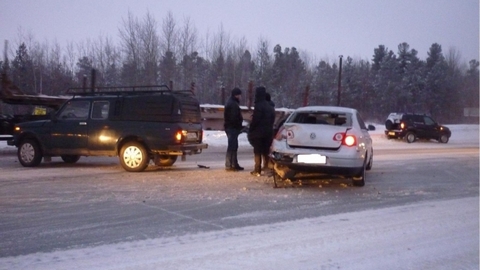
pixel 165 160
pixel 29 153
pixel 134 157
pixel 70 158
pixel 410 137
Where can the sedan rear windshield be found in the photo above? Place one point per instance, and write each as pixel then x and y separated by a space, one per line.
pixel 321 118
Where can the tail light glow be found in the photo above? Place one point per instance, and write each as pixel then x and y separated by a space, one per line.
pixel 348 140
pixel 179 135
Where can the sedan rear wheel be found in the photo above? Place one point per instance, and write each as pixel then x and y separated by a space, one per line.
pixel 359 179
pixel 134 157
pixel 370 163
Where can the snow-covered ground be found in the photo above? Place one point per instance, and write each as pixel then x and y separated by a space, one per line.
pixel 426 235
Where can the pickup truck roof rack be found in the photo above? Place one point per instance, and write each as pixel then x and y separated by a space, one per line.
pixel 126 90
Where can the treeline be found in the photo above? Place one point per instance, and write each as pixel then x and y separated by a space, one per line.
pixel 160 53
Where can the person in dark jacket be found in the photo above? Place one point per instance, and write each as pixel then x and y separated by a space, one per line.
pixel 269 99
pixel 233 120
pixel 260 133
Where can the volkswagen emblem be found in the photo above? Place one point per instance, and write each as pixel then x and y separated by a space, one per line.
pixel 313 136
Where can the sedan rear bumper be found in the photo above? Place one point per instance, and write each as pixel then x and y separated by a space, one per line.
pixel 333 166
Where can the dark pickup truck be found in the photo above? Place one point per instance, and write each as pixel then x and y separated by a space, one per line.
pixel 137 124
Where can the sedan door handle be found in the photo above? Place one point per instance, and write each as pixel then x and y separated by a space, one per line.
pixel 82 123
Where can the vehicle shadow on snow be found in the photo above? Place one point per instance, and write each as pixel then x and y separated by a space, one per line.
pixel 313 181
pixel 419 141
pixel 79 164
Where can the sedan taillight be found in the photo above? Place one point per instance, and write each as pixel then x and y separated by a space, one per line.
pixel 348 140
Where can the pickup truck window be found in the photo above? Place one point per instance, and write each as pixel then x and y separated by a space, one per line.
pixel 100 110
pixel 75 110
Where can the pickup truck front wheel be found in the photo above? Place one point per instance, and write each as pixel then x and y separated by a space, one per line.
pixel 29 153
pixel 443 138
pixel 134 157
pixel 70 158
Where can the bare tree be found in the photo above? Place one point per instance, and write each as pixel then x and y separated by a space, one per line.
pixel 150 48
pixel 168 60
pixel 188 38
pixel 220 44
pixel 170 35
pixel 130 42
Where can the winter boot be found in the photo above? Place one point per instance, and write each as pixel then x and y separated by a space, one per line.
pixel 235 162
pixel 258 165
pixel 229 165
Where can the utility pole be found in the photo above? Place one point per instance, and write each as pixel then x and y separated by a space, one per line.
pixel 339 81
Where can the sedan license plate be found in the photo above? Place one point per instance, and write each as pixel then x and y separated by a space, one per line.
pixel 312 159
pixel 392 133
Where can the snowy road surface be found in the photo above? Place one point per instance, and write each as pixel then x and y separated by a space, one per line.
pixel 432 235
pixel 419 210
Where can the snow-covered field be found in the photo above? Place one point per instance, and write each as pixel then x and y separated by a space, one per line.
pixel 460 133
pixel 427 235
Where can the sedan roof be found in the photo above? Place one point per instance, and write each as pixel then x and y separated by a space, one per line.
pixel 327 108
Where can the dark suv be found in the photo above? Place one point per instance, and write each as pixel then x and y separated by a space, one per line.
pixel 411 126
pixel 137 124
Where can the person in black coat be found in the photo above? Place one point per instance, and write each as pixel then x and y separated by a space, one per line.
pixel 269 99
pixel 260 133
pixel 233 120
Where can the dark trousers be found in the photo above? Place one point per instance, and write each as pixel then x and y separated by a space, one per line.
pixel 232 147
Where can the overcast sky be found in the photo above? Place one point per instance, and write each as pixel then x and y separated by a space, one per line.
pixel 323 28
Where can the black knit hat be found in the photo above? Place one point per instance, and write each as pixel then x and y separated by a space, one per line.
pixel 236 91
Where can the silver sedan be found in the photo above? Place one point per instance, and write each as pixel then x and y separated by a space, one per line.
pixel 323 139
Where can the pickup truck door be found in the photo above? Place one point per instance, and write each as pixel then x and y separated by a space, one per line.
pixel 430 128
pixel 102 138
pixel 69 130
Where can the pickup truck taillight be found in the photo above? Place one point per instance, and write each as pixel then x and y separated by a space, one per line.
pixel 179 135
